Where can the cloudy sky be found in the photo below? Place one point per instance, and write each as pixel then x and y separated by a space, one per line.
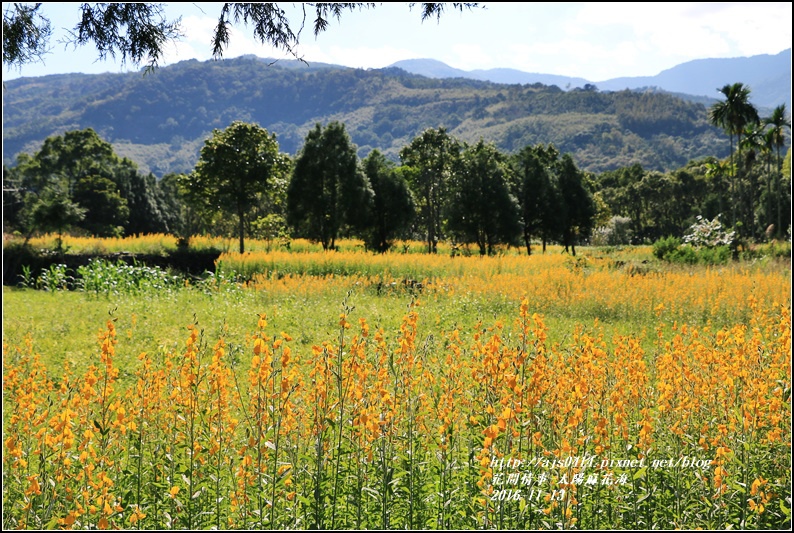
pixel 595 41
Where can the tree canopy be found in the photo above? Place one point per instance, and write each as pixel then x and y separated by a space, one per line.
pixel 577 207
pixel 80 168
pixel 466 193
pixel 430 158
pixel 139 32
pixel 733 115
pixel 26 34
pixel 480 208
pixel 236 165
pixel 329 189
pixel 534 186
pixel 393 205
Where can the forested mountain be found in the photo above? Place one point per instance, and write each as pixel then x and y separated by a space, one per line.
pixel 160 120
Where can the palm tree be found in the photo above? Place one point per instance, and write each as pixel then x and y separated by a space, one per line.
pixel 719 171
pixel 754 148
pixel 778 121
pixel 733 115
pixel 769 144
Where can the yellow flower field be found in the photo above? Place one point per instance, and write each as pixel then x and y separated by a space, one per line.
pixel 609 394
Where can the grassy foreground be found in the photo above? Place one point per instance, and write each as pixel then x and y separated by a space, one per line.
pixel 352 391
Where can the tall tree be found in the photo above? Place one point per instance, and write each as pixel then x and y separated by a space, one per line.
pixel 778 122
pixel 578 209
pixel 328 189
pixel 533 182
pixel 108 212
pixel 756 149
pixel 53 210
pixel 481 208
pixel 717 172
pixel 76 155
pixel 183 219
pixel 145 198
pixel 393 206
pixel 235 165
pixel 666 202
pixel 82 166
pixel 431 158
pixel 139 31
pixel 733 115
pixel 772 178
pixel 620 190
pixel 785 196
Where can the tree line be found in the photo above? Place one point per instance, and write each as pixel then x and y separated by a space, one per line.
pixel 442 188
pixel 243 185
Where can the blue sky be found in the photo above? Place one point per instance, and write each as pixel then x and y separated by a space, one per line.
pixel 595 41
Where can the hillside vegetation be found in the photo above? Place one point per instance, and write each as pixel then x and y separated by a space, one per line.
pixel 161 120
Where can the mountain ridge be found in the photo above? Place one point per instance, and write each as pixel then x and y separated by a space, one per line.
pixel 698 77
pixel 160 120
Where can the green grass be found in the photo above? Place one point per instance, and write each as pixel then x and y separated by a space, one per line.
pixel 64 325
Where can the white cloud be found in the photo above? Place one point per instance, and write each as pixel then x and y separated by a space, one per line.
pixel 596 41
pixel 471 55
pixel 196 41
pixel 599 41
pixel 358 56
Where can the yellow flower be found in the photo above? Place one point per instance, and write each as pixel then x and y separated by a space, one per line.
pixel 756 507
pixel 136 515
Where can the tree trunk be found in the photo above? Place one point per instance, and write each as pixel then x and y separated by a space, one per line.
pixel 732 192
pixel 242 230
pixel 481 243
pixel 431 229
pixel 779 175
pixel 751 198
pixel 770 215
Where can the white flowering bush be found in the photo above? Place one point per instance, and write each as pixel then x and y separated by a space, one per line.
pixel 617 232
pixel 707 233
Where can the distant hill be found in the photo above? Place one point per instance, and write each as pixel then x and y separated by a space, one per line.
pixel 768 76
pixel 161 120
pixel 433 68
